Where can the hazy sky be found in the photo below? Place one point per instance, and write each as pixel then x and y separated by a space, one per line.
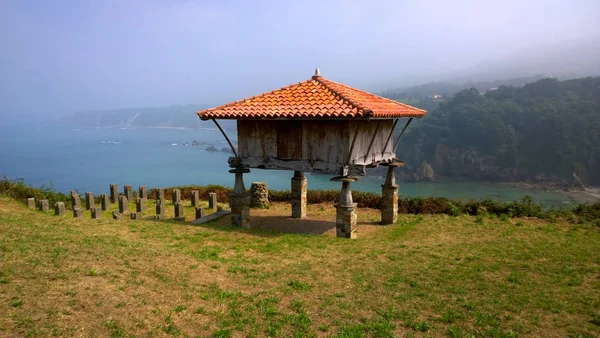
pixel 64 56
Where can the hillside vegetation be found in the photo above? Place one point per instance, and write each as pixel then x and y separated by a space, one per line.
pixel 545 131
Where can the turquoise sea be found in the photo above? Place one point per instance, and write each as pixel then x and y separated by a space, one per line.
pixel 90 159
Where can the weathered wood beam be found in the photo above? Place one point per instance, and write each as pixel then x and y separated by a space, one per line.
pixel 352 146
pixel 389 137
pixel 400 136
pixel 372 140
pixel 226 138
pixel 271 163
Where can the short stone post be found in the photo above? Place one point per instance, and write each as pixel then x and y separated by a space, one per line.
pixel 114 193
pixel 299 183
pixel 116 215
pixel 195 198
pixel 96 212
pixel 143 192
pixel 59 209
pixel 179 211
pixel 160 209
pixel 44 206
pixel 128 192
pixel 389 195
pixel 136 215
pixel 140 205
pixel 345 217
pixel 259 195
pixel 104 202
pixel 75 200
pixel 199 212
pixel 89 201
pixel 123 204
pixel 31 203
pixel 239 200
pixel 77 212
pixel 212 200
pixel 176 195
pixel 160 194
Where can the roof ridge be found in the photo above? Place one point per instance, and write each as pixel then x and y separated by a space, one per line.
pixel 358 107
pixel 370 94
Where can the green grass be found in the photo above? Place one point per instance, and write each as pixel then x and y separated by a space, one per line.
pixel 427 275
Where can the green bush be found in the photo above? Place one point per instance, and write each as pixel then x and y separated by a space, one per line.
pixel 18 190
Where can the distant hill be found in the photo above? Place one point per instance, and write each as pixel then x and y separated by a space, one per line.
pixel 175 116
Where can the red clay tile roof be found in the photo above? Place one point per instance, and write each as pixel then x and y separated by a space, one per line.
pixel 314 98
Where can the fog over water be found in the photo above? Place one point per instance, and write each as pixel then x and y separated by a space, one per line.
pixel 64 56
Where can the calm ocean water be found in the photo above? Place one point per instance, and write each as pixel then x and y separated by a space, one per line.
pixel 89 159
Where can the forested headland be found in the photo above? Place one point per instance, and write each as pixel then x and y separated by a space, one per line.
pixel 547 131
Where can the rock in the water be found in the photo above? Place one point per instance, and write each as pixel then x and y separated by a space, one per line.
pixel 211 148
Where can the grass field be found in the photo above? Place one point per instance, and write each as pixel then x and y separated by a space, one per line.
pixel 425 276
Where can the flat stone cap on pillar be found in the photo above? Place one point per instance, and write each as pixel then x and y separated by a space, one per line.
pixel 395 163
pixel 345 179
pixel 239 170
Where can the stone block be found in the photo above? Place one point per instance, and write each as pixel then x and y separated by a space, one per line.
pixel 212 200
pixel 59 209
pixel 77 212
pixel 143 192
pixel 116 215
pixel 104 201
pixel 75 200
pixel 200 212
pixel 160 194
pixel 128 192
pixel 195 197
pixel 176 195
pixel 89 201
pixel 179 211
pixel 123 204
pixel 44 206
pixel 160 209
pixel 140 205
pixel 96 212
pixel 136 215
pixel 345 221
pixel 299 185
pixel 114 193
pixel 240 209
pixel 259 195
pixel 389 204
pixel 31 203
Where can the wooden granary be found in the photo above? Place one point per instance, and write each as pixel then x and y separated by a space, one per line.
pixel 315 126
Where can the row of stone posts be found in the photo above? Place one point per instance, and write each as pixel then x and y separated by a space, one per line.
pixel 123 200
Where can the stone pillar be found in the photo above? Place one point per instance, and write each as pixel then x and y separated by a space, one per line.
pixel 75 200
pixel 179 211
pixel 123 204
pixel 199 212
pixel 116 215
pixel 389 197
pixel 259 195
pixel 195 197
pixel 160 194
pixel 77 212
pixel 143 192
pixel 31 203
pixel 140 205
pixel 212 200
pixel 96 212
pixel 44 206
pixel 176 195
pixel 104 202
pixel 160 209
pixel 299 183
pixel 239 200
pixel 128 192
pixel 114 193
pixel 345 218
pixel 89 201
pixel 59 209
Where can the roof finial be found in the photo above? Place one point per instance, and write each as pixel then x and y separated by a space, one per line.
pixel 317 72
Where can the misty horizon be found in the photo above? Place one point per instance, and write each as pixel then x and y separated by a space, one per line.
pixel 65 57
